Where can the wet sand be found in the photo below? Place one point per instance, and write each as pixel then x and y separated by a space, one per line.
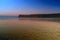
pixel 15 29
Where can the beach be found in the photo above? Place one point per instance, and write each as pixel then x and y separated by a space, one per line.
pixel 20 29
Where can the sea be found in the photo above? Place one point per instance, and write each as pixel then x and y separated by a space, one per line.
pixel 7 17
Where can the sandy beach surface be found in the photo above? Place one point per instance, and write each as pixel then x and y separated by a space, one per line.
pixel 17 29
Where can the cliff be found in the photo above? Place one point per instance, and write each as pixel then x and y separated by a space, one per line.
pixel 56 15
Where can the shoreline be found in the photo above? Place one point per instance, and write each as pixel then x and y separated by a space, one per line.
pixel 43 19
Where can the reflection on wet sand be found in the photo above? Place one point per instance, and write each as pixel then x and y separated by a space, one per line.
pixel 24 29
pixel 42 19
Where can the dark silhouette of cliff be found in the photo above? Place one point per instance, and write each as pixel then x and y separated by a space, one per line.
pixel 56 15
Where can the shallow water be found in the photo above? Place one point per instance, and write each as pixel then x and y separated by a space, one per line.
pixel 28 29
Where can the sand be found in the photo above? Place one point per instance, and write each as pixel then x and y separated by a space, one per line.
pixel 14 29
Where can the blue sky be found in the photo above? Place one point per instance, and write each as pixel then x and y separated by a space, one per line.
pixel 16 7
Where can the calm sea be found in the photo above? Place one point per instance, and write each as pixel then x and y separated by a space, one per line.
pixel 7 17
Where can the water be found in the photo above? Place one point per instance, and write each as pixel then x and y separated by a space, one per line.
pixel 7 17
pixel 29 29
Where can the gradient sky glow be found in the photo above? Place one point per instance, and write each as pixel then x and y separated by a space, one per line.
pixel 16 7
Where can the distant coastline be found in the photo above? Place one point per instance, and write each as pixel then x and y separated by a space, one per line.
pixel 56 15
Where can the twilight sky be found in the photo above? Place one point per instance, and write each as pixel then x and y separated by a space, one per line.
pixel 16 7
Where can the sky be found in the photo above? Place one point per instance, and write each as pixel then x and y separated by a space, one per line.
pixel 16 7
